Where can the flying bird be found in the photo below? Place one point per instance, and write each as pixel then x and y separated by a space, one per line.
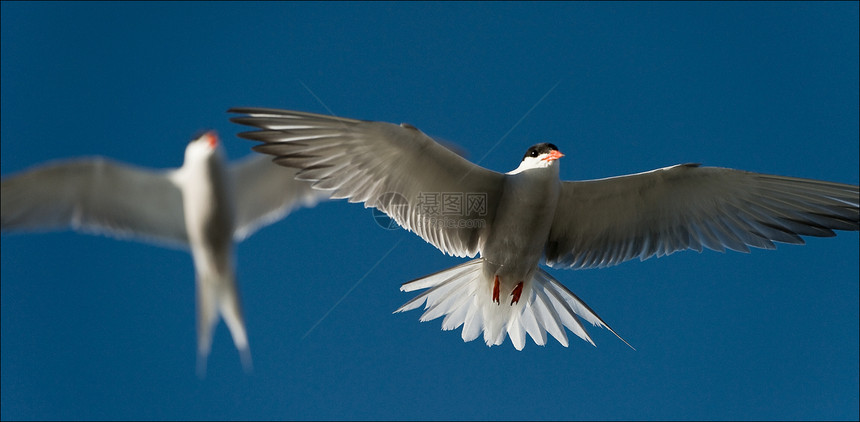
pixel 517 219
pixel 206 205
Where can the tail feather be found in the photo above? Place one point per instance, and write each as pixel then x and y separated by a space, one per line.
pixel 440 282
pixel 548 314
pixel 473 324
pixel 436 278
pixel 531 323
pixel 454 299
pixel 546 306
pixel 518 336
pixel 568 319
pixel 207 318
pixel 457 317
pixel 231 312
pixel 580 308
pixel 219 297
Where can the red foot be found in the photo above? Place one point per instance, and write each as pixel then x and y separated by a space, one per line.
pixel 496 290
pixel 518 290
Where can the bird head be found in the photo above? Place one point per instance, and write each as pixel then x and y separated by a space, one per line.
pixel 539 156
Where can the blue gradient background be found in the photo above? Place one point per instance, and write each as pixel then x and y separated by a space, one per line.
pixel 95 328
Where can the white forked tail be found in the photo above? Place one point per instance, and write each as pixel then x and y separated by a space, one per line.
pixel 218 297
pixel 545 306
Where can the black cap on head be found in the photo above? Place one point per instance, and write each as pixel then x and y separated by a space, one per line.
pixel 539 149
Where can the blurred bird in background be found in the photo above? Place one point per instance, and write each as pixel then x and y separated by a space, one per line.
pixel 206 205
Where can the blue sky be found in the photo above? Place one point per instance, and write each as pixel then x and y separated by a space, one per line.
pixel 96 328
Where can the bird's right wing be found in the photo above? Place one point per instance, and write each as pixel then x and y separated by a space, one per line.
pixel 95 195
pixel 599 223
pixel 423 186
pixel 266 192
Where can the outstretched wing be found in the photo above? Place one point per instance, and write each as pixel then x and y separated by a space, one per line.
pixel 266 192
pixel 604 222
pixel 422 185
pixel 95 195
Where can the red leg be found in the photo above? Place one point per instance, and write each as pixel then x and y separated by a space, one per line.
pixel 496 290
pixel 518 290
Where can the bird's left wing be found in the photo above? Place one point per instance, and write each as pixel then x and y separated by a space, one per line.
pixel 266 192
pixel 96 195
pixel 423 186
pixel 599 223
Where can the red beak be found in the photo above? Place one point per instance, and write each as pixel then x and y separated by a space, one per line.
pixel 553 155
pixel 213 138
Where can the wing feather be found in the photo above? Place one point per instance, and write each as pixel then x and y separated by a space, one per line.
pixel 604 222
pixel 96 195
pixel 266 192
pixel 397 169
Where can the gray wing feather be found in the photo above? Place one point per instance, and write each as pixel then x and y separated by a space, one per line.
pixel 396 169
pixel 604 222
pixel 266 192
pixel 95 195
